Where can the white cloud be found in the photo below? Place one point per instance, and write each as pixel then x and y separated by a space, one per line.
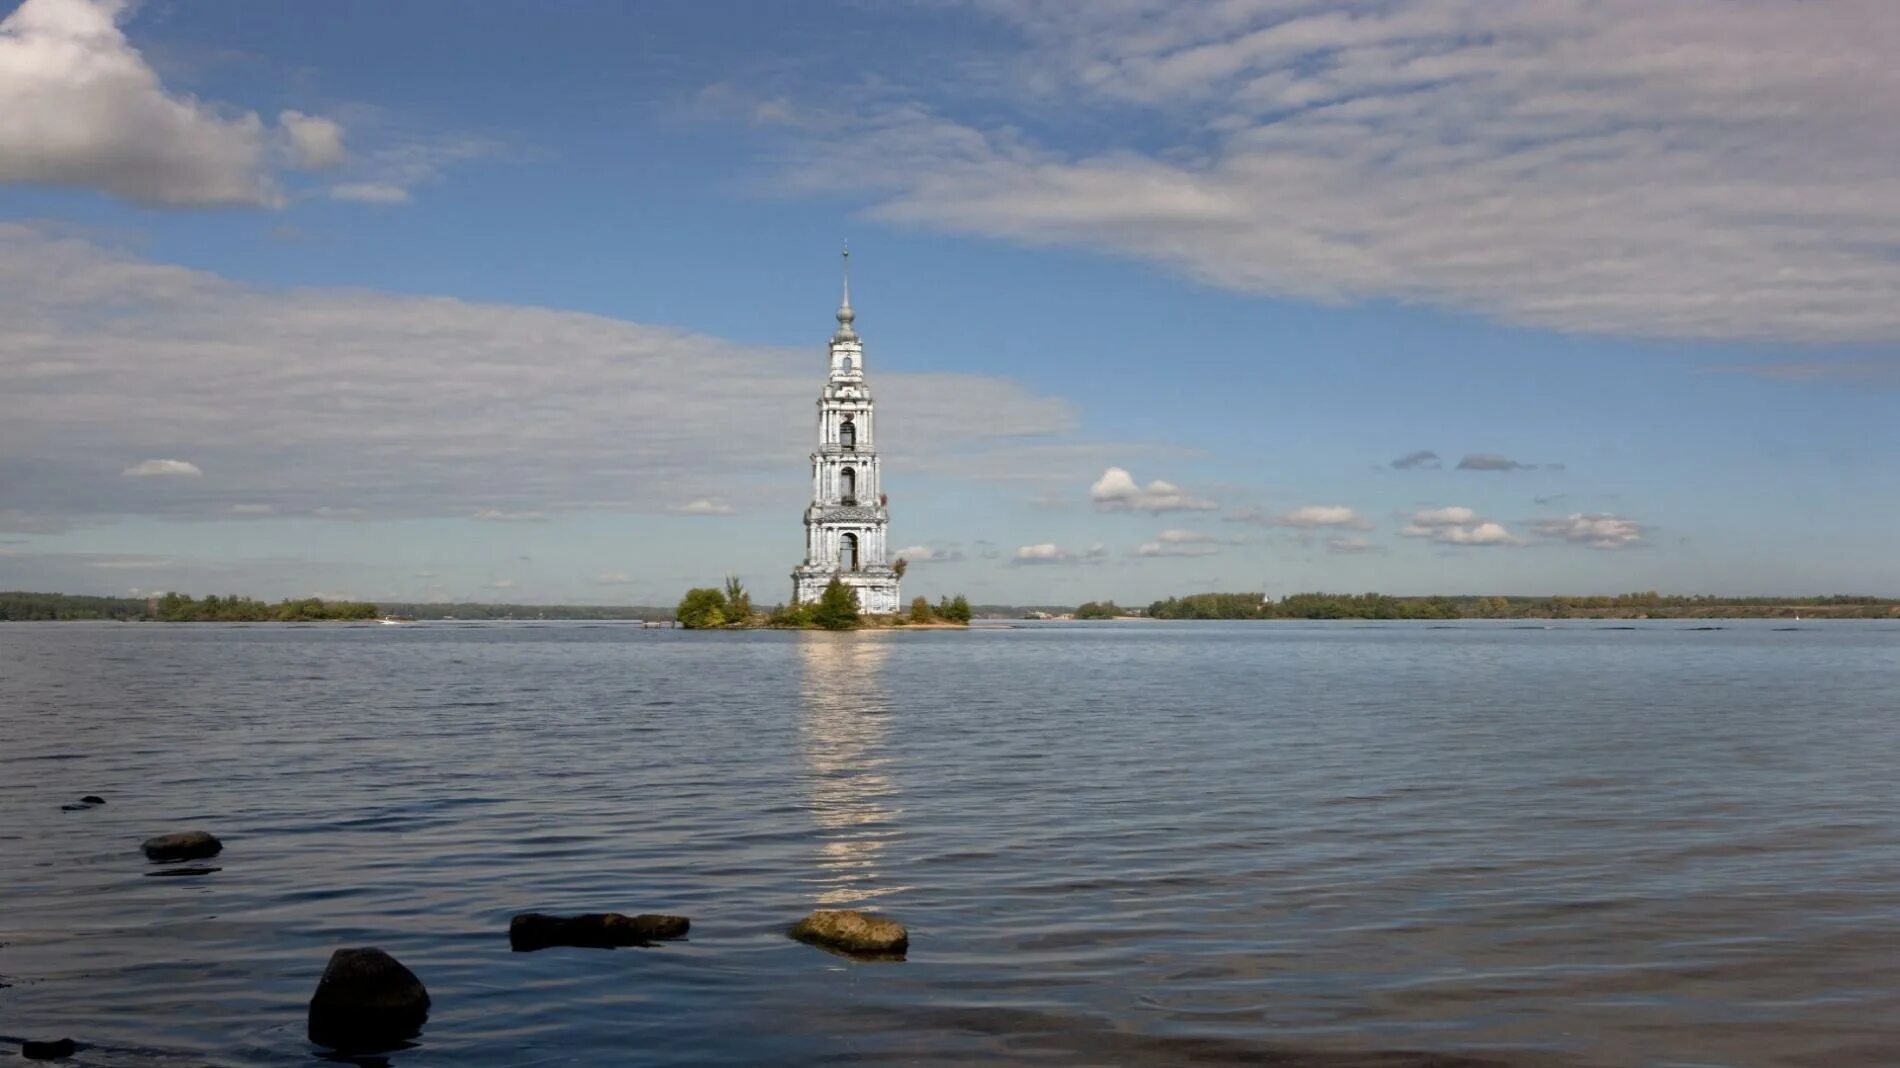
pixel 1597 531
pixel 354 404
pixel 1458 526
pixel 1051 553
pixel 1349 544
pixel 370 193
pixel 162 469
pixel 1117 491
pixel 1179 543
pixel 501 515
pixel 1698 169
pixel 703 506
pixel 1322 515
pixel 80 107
pixel 928 554
pixel 316 143
pixel 613 578
pixel 1422 459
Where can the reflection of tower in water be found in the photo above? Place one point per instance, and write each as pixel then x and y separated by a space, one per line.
pixel 842 735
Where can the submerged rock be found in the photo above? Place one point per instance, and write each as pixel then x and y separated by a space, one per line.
pixel 853 932
pixel 595 930
pixel 92 799
pixel 168 872
pixel 188 845
pixel 367 1001
pixel 48 1051
pixel 84 803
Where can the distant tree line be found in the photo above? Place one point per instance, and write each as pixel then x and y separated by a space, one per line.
pixel 24 607
pixel 1627 605
pixel 179 608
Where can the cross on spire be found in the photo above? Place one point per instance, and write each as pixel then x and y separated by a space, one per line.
pixel 845 314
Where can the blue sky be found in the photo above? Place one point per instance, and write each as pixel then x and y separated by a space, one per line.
pixel 528 302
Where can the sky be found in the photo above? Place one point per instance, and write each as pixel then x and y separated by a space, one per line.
pixel 512 301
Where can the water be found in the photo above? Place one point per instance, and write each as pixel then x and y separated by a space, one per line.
pixel 1326 844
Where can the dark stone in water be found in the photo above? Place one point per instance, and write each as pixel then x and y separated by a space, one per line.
pixel 163 872
pixel 92 799
pixel 365 1002
pixel 859 934
pixel 84 803
pixel 48 1051
pixel 190 845
pixel 595 930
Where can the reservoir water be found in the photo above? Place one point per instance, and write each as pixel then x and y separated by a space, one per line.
pixel 1291 844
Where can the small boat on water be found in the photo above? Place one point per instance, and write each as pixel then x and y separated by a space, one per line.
pixel 391 621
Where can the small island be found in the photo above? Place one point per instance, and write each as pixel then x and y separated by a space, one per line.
pixel 731 608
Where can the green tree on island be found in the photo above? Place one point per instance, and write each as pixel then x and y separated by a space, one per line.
pixel 837 607
pixel 954 610
pixel 701 608
pixel 1099 610
pixel 919 610
pixel 738 601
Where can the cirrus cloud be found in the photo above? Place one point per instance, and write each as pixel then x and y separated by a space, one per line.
pixel 1696 169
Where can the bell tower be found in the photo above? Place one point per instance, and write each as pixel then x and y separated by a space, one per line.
pixel 847 520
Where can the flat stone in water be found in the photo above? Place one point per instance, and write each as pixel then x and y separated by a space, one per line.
pixel 849 931
pixel 164 872
pixel 188 845
pixel 366 1002
pixel 530 931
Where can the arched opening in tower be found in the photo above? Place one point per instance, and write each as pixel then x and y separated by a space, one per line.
pixel 848 552
pixel 848 434
pixel 848 485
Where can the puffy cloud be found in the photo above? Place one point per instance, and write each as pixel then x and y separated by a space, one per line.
pixel 162 469
pixel 316 143
pixel 1321 515
pixel 80 107
pixel 1597 531
pixel 1423 458
pixel 928 554
pixel 1458 526
pixel 1696 169
pixel 1117 491
pixel 355 404
pixel 1051 553
pixel 703 506
pixel 1179 543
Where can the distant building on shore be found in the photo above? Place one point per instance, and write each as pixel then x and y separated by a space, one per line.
pixel 847 520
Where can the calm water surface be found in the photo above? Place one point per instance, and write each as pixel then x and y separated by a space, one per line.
pixel 1324 844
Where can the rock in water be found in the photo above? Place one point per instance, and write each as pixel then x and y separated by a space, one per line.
pixel 48 1051
pixel 189 845
pixel 84 803
pixel 850 931
pixel 92 799
pixel 595 930
pixel 367 1001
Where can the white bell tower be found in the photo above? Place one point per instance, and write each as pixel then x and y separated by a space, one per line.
pixel 847 520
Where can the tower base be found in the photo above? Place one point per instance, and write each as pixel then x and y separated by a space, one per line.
pixel 876 587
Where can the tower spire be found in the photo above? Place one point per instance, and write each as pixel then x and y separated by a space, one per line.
pixel 845 314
